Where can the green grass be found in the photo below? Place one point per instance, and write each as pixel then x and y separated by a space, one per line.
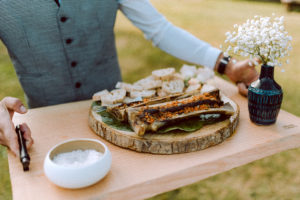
pixel 275 177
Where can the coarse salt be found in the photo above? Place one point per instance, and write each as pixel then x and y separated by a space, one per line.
pixel 77 158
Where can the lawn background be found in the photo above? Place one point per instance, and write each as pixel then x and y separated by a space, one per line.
pixel 275 177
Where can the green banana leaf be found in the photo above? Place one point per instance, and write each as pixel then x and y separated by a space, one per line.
pixel 109 119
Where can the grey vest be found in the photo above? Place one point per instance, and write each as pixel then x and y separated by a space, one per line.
pixel 61 54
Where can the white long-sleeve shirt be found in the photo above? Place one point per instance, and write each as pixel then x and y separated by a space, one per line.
pixel 166 36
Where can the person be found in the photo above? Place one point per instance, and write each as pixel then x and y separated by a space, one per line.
pixel 65 51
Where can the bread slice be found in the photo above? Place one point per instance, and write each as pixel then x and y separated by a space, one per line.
pixel 177 76
pixel 203 74
pixel 97 96
pixel 115 96
pixel 106 100
pixel 161 93
pixel 163 74
pixel 143 94
pixel 193 88
pixel 118 95
pixel 128 87
pixel 174 86
pixel 193 81
pixel 148 83
pixel 188 71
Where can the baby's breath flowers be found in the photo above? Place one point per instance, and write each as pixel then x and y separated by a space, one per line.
pixel 264 38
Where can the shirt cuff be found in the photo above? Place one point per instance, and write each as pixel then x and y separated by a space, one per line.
pixel 211 56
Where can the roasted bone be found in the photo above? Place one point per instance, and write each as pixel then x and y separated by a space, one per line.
pixel 155 116
pixel 120 111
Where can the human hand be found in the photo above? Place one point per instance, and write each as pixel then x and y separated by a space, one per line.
pixel 243 73
pixel 8 136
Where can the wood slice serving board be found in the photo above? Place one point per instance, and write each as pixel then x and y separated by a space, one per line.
pixel 168 143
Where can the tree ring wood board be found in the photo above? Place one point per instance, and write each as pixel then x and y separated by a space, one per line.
pixel 168 143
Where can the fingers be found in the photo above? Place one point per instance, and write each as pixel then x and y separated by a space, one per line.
pixel 252 76
pixel 242 89
pixel 14 105
pixel 255 77
pixel 11 141
pixel 253 62
pixel 249 78
pixel 14 145
pixel 258 60
pixel 27 135
pixel 8 136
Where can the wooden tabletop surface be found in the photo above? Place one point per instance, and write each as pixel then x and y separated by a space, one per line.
pixel 138 175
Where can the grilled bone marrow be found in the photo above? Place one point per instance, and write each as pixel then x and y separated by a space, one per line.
pixel 152 117
pixel 119 111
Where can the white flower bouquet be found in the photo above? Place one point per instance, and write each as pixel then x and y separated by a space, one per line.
pixel 264 38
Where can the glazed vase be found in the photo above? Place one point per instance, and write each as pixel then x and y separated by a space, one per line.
pixel 264 98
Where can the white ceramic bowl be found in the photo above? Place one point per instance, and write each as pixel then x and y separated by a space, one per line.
pixel 77 177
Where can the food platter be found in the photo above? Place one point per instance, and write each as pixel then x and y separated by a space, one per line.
pixel 165 113
pixel 167 143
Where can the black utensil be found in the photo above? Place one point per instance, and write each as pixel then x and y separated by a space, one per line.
pixel 24 156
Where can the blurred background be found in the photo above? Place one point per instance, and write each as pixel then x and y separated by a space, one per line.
pixel 275 177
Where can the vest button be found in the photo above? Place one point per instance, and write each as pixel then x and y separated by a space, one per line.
pixel 63 19
pixel 77 84
pixel 69 41
pixel 73 63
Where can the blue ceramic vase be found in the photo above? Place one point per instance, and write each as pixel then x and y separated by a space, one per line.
pixel 264 97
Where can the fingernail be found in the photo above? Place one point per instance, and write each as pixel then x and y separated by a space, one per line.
pixel 23 109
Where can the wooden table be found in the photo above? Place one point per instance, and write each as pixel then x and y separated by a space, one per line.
pixel 137 175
